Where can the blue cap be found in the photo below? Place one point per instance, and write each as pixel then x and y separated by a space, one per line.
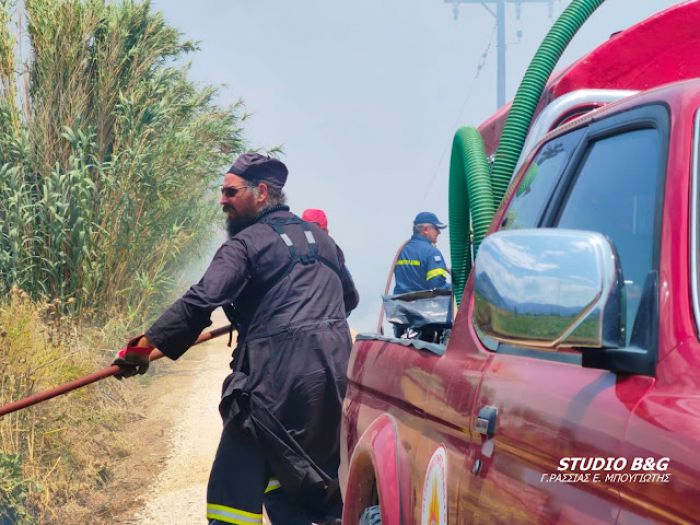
pixel 426 217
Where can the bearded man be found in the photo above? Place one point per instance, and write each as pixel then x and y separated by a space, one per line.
pixel 283 284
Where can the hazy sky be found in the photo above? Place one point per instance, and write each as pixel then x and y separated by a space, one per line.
pixel 364 96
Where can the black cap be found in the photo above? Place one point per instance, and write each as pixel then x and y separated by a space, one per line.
pixel 260 168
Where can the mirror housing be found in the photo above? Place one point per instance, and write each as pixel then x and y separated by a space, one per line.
pixel 549 288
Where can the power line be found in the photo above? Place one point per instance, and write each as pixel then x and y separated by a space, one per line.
pixel 482 62
pixel 500 16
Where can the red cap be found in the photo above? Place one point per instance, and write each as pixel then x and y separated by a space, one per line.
pixel 317 216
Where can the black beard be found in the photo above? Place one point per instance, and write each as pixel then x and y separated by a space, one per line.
pixel 233 226
pixel 236 225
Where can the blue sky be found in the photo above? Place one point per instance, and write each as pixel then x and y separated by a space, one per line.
pixel 365 96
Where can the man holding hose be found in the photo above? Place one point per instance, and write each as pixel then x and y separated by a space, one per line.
pixel 282 282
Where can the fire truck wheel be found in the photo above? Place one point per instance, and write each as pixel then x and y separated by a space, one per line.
pixel 371 516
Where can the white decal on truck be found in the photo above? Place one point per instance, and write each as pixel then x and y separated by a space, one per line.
pixel 435 490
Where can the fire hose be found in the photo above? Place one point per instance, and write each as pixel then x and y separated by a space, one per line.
pixel 94 377
pixel 380 324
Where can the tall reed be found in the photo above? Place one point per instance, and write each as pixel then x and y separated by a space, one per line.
pixel 108 154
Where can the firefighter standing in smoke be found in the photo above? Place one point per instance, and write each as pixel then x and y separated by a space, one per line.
pixel 283 284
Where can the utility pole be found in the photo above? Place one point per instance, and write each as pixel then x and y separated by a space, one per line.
pixel 500 15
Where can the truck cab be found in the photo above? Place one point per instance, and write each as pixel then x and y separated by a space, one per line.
pixel 539 408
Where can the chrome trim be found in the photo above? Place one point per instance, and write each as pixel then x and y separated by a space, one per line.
pixel 548 288
pixel 694 223
pixel 558 107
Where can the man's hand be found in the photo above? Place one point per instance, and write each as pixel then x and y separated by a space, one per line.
pixel 134 357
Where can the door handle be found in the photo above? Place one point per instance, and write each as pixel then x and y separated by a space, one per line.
pixel 486 421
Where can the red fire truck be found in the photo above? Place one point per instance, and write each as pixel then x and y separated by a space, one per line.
pixel 568 390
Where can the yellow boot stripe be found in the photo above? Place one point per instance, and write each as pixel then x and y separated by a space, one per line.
pixel 232 515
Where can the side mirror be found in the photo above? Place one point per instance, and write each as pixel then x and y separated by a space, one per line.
pixel 549 288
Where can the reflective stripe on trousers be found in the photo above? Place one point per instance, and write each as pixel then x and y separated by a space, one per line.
pixel 226 514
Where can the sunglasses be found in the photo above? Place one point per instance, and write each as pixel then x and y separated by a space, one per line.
pixel 230 191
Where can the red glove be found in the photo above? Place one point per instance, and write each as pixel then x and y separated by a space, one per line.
pixel 133 359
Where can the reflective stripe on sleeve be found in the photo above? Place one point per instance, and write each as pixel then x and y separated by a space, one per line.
pixel 274 484
pixel 231 515
pixel 437 272
pixel 407 262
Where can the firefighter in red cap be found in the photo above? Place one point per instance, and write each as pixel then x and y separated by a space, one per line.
pixel 317 216
pixel 284 285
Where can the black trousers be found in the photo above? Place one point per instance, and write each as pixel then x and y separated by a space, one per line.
pixel 240 483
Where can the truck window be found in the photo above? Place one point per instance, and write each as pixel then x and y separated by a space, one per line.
pixel 536 186
pixel 615 193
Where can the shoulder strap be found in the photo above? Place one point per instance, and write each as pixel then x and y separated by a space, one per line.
pixel 309 255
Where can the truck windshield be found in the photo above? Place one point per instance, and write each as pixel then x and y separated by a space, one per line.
pixel 536 186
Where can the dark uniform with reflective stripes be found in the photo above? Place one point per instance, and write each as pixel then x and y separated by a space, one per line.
pixel 283 284
pixel 420 266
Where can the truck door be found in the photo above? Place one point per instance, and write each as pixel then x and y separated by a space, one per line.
pixel 547 409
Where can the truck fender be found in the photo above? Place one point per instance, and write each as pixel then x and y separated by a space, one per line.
pixel 377 461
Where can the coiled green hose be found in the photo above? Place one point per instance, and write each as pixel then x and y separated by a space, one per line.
pixel 462 197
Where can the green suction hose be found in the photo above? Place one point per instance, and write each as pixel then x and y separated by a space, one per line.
pixel 462 197
pixel 530 90
pixel 469 175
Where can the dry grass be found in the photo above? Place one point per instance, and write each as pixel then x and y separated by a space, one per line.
pixel 55 457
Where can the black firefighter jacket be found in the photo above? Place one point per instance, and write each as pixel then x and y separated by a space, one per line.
pixel 288 301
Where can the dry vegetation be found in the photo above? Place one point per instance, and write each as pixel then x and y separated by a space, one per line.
pixel 104 146
pixel 56 456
